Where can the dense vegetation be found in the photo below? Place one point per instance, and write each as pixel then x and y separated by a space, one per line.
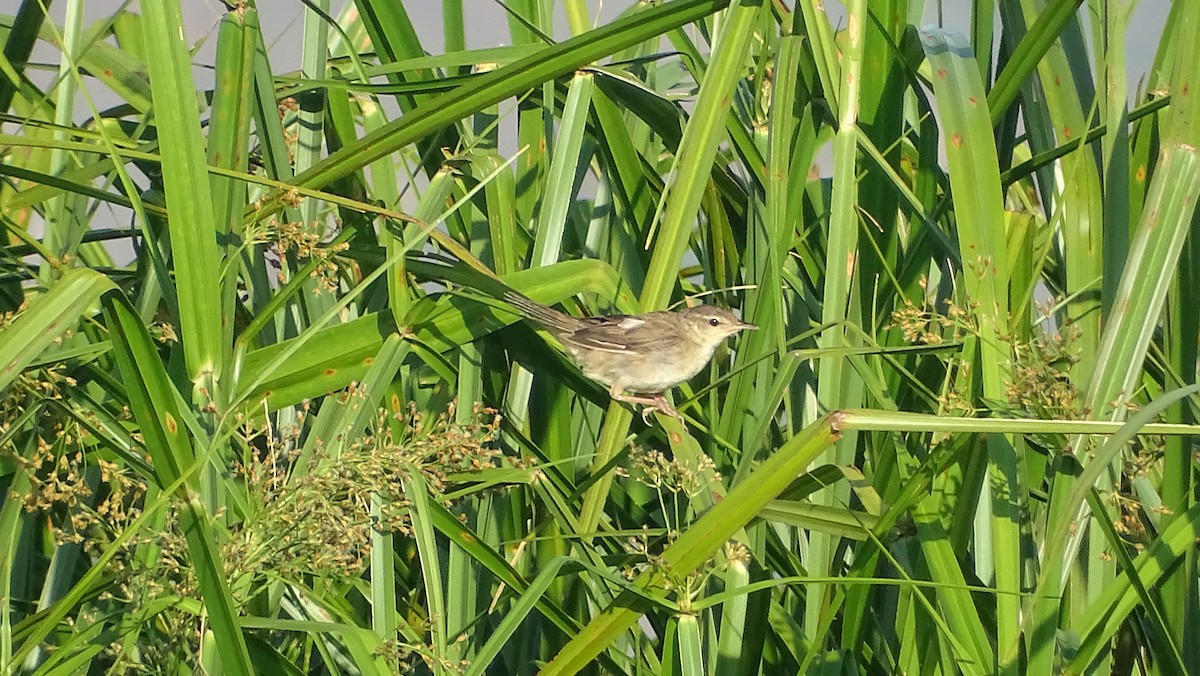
pixel 296 433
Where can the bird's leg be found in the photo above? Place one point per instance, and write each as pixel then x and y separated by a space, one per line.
pixel 633 398
pixel 650 402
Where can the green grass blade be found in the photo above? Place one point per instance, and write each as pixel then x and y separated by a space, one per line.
pixel 1028 53
pixel 188 192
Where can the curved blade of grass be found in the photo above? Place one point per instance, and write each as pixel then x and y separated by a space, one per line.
pixel 512 80
pixel 1105 615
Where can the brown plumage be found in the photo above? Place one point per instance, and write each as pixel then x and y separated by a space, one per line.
pixel 643 355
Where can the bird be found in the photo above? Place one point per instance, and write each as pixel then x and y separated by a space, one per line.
pixel 637 356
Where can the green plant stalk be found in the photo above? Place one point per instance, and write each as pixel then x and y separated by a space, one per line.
pixel 65 225
pixel 838 386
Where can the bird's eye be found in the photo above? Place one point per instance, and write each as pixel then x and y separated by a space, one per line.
pixel 714 322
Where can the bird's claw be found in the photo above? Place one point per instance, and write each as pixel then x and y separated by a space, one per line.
pixel 661 405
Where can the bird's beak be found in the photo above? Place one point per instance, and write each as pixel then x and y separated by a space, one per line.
pixel 744 325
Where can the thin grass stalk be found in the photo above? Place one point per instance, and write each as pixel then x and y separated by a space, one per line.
pixel 64 225
pixel 837 386
pixel 352 420
pixel 310 129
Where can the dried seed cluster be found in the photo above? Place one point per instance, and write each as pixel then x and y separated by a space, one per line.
pixel 304 517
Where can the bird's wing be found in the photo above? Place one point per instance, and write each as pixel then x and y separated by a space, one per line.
pixel 620 333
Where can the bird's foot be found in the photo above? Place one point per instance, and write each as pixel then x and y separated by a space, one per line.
pixel 651 402
pixel 658 402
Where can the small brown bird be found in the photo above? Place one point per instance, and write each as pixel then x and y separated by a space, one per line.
pixel 638 356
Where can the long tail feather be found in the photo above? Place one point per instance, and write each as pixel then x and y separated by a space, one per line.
pixel 547 316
